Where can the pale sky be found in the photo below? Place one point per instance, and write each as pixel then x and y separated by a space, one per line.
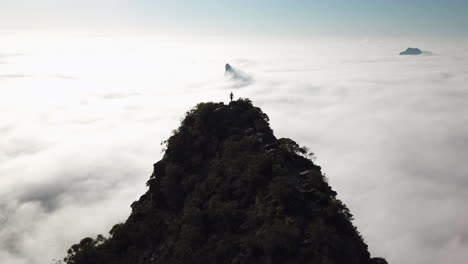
pixel 313 17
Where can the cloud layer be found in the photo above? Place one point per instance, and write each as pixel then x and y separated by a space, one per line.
pixel 391 132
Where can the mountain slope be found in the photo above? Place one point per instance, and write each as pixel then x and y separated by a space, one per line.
pixel 228 191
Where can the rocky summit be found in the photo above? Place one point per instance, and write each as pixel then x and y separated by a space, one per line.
pixel 411 51
pixel 228 191
pixel 228 68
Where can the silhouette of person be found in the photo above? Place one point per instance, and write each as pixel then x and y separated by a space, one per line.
pixel 231 96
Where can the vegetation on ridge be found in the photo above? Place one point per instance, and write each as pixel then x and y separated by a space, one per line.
pixel 228 191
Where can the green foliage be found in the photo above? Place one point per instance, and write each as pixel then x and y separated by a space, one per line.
pixel 228 191
pixel 291 146
pixel 85 251
pixel 279 239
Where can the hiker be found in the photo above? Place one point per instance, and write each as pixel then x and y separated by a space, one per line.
pixel 231 96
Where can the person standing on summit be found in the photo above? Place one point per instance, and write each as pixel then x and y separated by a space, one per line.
pixel 231 96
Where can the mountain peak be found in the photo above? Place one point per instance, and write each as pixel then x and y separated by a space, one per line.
pixel 411 51
pixel 228 191
pixel 228 67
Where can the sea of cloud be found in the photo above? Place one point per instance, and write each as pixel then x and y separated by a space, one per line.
pixel 82 118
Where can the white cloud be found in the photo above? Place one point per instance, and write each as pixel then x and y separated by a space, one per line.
pixel 390 132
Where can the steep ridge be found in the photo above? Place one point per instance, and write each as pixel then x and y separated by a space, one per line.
pixel 228 191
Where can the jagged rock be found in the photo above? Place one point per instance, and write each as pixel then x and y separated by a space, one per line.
pixel 228 68
pixel 221 195
pixel 411 51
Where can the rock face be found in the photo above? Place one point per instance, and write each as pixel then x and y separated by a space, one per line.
pixel 228 68
pixel 228 191
pixel 411 51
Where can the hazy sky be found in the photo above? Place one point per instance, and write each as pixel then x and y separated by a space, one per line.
pixel 82 115
pixel 313 17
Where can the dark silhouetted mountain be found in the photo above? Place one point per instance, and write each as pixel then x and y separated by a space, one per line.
pixel 228 68
pixel 237 77
pixel 228 191
pixel 411 51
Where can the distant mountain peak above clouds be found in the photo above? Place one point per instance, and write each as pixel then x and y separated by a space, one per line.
pixel 237 77
pixel 228 68
pixel 411 51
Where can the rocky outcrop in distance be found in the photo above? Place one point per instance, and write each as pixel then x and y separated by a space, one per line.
pixel 411 51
